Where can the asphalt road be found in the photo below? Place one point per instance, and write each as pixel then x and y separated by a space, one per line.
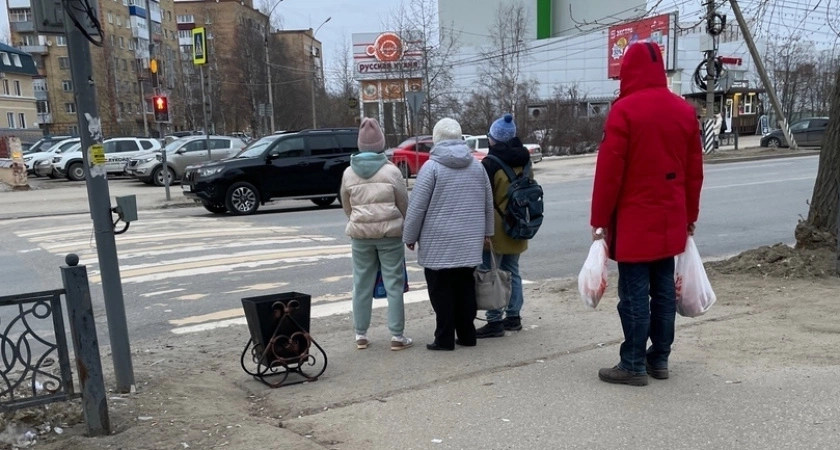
pixel 184 268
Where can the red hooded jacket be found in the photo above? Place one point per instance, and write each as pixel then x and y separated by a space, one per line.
pixel 650 164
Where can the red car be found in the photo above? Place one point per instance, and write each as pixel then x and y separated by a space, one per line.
pixel 409 161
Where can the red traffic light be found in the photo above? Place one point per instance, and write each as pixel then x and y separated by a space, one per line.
pixel 160 103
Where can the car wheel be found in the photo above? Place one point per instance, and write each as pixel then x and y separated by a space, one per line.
pixel 214 208
pixel 242 198
pixel 76 172
pixel 52 175
pixel 404 170
pixel 323 201
pixel 774 143
pixel 157 175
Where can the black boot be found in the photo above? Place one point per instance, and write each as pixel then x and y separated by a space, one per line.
pixel 491 330
pixel 512 323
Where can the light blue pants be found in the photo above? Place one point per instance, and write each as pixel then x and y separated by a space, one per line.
pixel 370 255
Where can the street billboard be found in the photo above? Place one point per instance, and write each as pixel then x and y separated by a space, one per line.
pixel 387 55
pixel 660 30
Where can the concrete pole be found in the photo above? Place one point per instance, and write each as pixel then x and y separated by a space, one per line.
pixel 268 76
pixel 710 83
pixel 99 198
pixel 204 109
pixel 762 72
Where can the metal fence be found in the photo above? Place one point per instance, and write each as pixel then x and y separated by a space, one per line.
pixel 35 365
pixel 34 357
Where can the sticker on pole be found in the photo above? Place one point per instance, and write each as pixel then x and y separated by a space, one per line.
pixel 97 154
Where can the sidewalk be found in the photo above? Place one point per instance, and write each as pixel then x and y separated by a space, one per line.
pixel 758 371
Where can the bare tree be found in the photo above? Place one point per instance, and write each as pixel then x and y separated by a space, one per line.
pixel 248 76
pixel 505 55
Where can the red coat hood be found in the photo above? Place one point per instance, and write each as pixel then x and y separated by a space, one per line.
pixel 642 68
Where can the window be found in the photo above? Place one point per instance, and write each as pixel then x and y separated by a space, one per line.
pixel 186 18
pixel 17 88
pixel 749 108
pixel 800 126
pixel 16 60
pixel 6 90
pixel 187 34
pixel 349 142
pixel 61 41
pixel 113 40
pixel 124 65
pixel 22 120
pixel 169 15
pixel 63 62
pixel 73 130
pixel 322 145
pixel 119 21
pixel 145 143
pixel 127 146
pixel 220 144
pixel 10 118
pixel 208 19
pixel 197 145
pixel 136 88
pixel 70 107
pixel 122 42
pixel 20 15
pixel 131 44
pixel 5 56
pixel 67 85
pixel 110 18
pixel 289 148
pixel 819 123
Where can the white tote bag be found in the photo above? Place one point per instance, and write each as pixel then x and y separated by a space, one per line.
pixel 492 287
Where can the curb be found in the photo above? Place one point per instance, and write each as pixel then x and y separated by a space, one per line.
pixel 761 157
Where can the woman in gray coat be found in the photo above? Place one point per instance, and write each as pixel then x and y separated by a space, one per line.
pixel 450 215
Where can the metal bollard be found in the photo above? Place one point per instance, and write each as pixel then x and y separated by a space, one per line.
pixel 86 347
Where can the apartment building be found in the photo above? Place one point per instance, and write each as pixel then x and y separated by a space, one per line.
pixel 305 52
pixel 136 31
pixel 234 72
pixel 18 108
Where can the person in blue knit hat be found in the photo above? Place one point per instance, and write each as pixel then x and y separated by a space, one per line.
pixel 508 150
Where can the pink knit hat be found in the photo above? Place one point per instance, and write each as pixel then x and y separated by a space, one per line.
pixel 371 138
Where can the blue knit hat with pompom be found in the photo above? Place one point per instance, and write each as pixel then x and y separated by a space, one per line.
pixel 503 130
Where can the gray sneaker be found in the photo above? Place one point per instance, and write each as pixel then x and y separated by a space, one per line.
pixel 362 341
pixel 401 342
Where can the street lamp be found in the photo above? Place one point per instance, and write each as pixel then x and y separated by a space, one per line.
pixel 315 71
pixel 268 65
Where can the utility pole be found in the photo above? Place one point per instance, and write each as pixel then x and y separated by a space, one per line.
pixel 99 197
pixel 268 77
pixel 709 138
pixel 762 72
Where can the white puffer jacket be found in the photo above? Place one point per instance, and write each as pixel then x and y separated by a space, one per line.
pixel 374 197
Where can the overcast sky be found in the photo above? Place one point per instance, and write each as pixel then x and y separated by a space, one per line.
pixel 348 17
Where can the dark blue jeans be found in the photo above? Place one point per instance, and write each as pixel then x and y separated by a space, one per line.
pixel 647 307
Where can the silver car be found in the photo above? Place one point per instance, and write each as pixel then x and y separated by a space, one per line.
pixel 148 167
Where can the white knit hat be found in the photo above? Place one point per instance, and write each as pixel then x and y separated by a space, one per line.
pixel 445 130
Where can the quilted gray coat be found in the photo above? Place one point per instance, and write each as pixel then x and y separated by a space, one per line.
pixel 450 209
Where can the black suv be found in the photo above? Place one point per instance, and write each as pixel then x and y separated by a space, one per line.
pixel 307 164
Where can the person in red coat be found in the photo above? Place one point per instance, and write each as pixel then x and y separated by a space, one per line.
pixel 645 201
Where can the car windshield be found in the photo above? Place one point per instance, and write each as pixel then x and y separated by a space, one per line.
pixel 40 146
pixel 257 148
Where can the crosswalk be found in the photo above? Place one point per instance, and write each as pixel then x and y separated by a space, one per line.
pixel 194 270
pixel 191 272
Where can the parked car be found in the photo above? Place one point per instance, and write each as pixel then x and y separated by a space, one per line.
pixel 410 161
pixel 44 144
pixel 481 144
pixel 117 153
pixel 31 160
pixel 42 161
pixel 148 167
pixel 806 132
pixel 304 165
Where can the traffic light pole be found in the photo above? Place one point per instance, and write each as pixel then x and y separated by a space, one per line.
pixel 99 197
pixel 204 109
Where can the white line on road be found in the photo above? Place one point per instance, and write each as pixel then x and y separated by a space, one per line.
pixel 756 183
pixel 152 294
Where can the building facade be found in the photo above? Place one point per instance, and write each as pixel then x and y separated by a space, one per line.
pixel 18 104
pixel 136 31
pixel 305 52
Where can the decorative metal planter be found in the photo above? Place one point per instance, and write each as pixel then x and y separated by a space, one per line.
pixel 280 342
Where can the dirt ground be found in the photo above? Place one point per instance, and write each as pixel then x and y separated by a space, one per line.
pixel 775 306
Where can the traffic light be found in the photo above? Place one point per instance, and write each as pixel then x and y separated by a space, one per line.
pixel 161 106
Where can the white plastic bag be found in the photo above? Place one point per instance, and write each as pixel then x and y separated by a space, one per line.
pixel 694 292
pixel 592 281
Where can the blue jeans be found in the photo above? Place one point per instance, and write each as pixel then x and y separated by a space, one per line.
pixel 647 307
pixel 511 264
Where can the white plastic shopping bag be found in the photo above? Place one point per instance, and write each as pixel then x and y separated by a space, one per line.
pixel 592 281
pixel 694 292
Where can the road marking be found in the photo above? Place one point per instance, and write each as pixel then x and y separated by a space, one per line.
pixel 336 278
pixel 259 287
pixel 756 183
pixel 152 294
pixel 191 297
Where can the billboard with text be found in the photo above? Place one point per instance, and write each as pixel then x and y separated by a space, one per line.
pixel 660 30
pixel 387 55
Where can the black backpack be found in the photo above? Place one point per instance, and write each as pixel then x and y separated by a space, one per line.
pixel 523 215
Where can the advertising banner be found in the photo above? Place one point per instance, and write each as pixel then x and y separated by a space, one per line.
pixel 660 30
pixel 388 55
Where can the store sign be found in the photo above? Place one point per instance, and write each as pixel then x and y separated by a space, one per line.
pixel 386 55
pixel 660 30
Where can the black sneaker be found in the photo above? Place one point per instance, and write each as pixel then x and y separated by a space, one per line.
pixel 491 330
pixel 512 323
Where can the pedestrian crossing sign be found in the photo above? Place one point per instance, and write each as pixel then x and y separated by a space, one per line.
pixel 199 46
